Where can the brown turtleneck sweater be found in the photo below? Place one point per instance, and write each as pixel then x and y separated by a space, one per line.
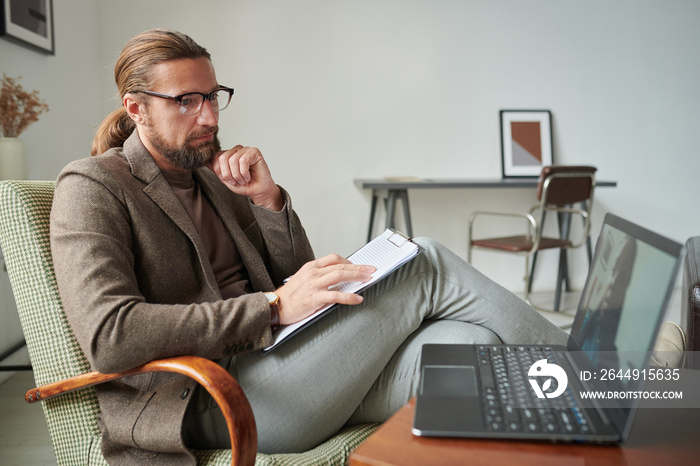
pixel 228 267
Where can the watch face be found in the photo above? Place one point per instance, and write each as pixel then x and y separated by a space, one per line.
pixel 272 298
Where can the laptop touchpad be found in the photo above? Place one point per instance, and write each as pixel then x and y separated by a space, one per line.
pixel 449 381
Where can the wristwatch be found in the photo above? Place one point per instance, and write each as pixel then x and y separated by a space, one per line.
pixel 273 300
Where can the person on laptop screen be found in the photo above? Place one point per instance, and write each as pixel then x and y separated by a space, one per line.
pixel 606 298
pixel 166 245
pixel 618 307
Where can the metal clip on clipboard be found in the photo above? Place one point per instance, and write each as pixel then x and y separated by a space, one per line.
pixel 398 239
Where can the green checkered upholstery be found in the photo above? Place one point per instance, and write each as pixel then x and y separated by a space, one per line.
pixel 54 351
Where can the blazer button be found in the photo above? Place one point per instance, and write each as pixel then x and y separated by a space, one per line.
pixel 185 392
pixel 240 349
pixel 228 351
pixel 249 346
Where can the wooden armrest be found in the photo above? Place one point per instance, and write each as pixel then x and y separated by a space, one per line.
pixel 215 379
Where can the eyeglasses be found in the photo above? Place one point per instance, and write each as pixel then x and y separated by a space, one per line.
pixel 191 103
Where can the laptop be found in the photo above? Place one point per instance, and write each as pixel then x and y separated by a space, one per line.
pixel 549 392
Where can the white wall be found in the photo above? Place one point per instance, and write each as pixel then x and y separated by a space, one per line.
pixel 69 82
pixel 336 90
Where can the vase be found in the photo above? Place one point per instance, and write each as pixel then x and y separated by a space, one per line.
pixel 12 164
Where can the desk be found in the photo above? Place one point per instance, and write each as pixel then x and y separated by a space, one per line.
pixel 399 190
pixel 658 436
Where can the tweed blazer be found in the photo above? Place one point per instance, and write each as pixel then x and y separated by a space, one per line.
pixel 137 285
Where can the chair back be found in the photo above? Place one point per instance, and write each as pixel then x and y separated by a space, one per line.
pixel 53 349
pixel 562 185
pixel 560 188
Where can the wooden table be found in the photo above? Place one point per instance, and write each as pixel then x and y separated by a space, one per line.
pixel 658 437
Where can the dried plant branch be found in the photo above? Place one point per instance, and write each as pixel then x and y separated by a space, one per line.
pixel 18 108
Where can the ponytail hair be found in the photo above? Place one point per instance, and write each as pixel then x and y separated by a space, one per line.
pixel 133 72
pixel 114 130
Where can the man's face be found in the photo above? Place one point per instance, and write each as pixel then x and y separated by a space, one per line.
pixel 180 142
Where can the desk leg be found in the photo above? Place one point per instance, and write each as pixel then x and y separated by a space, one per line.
pixel 589 249
pixel 534 261
pixel 565 229
pixel 406 212
pixel 564 221
pixel 563 273
pixel 393 196
pixel 372 212
pixel 390 205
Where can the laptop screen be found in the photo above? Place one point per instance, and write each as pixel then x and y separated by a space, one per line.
pixel 629 285
pixel 625 297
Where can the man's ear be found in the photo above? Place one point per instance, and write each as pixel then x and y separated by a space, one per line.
pixel 134 108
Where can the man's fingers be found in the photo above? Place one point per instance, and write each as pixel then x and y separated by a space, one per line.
pixel 335 259
pixel 333 269
pixel 226 164
pixel 244 164
pixel 330 259
pixel 350 299
pixel 344 273
pixel 249 157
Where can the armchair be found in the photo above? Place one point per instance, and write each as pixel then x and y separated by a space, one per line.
pixel 61 368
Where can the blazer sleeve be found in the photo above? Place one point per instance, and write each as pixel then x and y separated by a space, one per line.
pixel 287 247
pixel 107 272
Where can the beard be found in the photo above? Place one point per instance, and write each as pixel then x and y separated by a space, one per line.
pixel 187 157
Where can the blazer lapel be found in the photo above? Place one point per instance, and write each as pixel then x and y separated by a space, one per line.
pixel 157 188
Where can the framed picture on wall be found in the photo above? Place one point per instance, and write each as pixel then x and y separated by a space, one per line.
pixel 526 142
pixel 28 22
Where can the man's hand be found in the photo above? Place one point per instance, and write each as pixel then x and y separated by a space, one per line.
pixel 244 171
pixel 307 291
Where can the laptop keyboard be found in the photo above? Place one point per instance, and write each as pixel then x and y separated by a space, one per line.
pixel 510 403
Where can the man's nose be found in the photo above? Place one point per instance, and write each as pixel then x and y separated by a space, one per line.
pixel 207 116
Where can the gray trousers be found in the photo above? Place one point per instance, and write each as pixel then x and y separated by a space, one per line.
pixel 361 363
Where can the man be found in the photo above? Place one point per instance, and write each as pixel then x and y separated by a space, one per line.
pixel 165 245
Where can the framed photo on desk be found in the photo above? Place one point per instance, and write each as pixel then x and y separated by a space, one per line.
pixel 526 142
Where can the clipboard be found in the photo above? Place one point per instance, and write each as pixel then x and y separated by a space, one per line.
pixel 387 252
